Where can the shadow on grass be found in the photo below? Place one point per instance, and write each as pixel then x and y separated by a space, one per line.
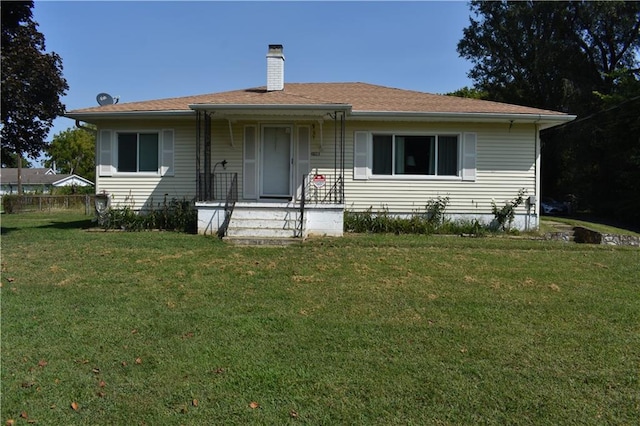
pixel 4 230
pixel 76 224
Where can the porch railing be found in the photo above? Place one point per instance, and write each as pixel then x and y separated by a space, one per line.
pixel 229 203
pixel 216 187
pixel 319 189
pixel 322 188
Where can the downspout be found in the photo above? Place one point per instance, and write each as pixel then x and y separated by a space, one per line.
pixel 88 129
pixel 536 208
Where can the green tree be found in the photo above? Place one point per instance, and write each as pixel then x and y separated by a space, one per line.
pixel 10 159
pixel 470 92
pixel 32 83
pixel 556 55
pixel 73 151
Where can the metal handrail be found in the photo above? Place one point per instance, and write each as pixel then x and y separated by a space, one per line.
pixel 302 201
pixel 229 205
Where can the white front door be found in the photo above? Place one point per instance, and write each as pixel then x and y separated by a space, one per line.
pixel 276 162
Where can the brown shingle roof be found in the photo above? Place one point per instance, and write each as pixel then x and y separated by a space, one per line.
pixel 362 97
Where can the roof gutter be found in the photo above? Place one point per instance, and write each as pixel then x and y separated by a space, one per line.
pixel 102 115
pixel 465 116
pixel 301 107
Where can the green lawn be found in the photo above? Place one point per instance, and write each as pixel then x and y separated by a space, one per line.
pixel 163 328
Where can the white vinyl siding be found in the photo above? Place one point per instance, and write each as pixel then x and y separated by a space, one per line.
pixel 503 161
pixel 175 178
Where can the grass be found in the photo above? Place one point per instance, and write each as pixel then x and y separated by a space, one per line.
pixel 167 328
pixel 607 229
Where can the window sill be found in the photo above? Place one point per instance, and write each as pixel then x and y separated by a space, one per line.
pixel 412 178
pixel 136 174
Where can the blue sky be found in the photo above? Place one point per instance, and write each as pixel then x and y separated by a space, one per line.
pixel 152 50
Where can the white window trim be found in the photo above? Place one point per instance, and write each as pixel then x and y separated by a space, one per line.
pixel 372 176
pixel 117 173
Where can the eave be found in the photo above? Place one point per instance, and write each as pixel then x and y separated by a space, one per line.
pixel 266 110
pixel 91 117
pixel 544 120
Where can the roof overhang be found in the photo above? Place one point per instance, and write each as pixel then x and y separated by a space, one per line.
pixel 271 110
pixel 314 111
pixel 91 117
pixel 543 120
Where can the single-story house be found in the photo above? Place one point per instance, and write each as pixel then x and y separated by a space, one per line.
pixel 312 150
pixel 37 180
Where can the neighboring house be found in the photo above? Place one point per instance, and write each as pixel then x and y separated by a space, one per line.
pixel 38 180
pixel 316 149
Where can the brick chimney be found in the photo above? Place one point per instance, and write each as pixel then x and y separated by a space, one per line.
pixel 275 68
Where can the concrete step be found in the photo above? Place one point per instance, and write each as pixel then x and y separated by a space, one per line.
pixel 256 241
pixel 263 223
pixel 261 214
pixel 261 232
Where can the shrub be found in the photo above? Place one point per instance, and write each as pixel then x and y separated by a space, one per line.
pixel 11 203
pixel 175 215
pixel 431 221
pixel 504 216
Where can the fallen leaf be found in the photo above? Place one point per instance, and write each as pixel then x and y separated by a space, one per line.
pixel 102 384
pixel 11 279
pixel 42 363
pixel 194 402
pixel 219 370
pixel 96 370
pixel 24 415
pixel 27 384
pixel 254 405
pixel 187 335
pixel 134 331
pixel 75 406
pixel 138 361
pixel 293 414
pixel 463 350
pixel 124 363
pixel 101 394
pixel 10 422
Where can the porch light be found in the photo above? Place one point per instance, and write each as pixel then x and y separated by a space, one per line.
pixel 224 165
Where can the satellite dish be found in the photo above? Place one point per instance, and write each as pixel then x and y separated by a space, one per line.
pixel 104 99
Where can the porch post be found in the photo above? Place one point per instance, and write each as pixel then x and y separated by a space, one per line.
pixel 207 156
pixel 198 183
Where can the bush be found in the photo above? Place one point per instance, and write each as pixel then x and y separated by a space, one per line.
pixel 431 221
pixel 175 215
pixel 504 216
pixel 11 203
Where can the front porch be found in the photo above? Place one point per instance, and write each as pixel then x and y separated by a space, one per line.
pixel 277 192
pixel 317 210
